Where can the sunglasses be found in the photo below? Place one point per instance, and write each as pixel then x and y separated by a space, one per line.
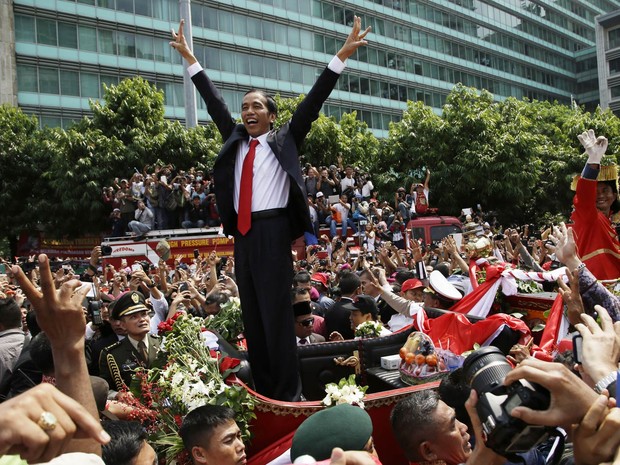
pixel 306 322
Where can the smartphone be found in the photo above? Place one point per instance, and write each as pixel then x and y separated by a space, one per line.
pixel 183 287
pixel 578 348
pixel 196 253
pixel 136 267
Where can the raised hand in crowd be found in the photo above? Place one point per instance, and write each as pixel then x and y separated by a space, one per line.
pixel 595 146
pixel 570 396
pixel 23 430
pixel 61 316
pixel 600 346
pixel 597 438
pixel 571 296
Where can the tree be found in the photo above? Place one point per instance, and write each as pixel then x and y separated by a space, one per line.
pixel 18 171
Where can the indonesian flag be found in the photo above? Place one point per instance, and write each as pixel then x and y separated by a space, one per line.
pixel 555 330
pixel 454 332
pixel 480 301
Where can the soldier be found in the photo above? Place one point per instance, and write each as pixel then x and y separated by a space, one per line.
pixel 139 349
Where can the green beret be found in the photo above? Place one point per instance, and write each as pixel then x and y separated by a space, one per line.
pixel 343 426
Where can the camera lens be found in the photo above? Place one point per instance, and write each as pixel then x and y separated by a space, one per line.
pixel 485 368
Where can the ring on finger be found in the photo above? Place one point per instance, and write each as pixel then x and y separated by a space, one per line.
pixel 47 421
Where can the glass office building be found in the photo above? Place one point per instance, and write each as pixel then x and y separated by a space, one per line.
pixel 65 51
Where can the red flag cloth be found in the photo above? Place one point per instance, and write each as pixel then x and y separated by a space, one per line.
pixel 454 332
pixel 467 303
pixel 549 339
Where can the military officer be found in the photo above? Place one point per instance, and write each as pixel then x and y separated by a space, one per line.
pixel 139 349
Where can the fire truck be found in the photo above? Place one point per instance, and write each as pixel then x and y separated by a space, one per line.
pixel 182 242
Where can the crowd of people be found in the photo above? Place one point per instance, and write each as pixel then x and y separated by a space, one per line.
pixel 70 343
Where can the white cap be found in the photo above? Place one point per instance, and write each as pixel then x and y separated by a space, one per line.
pixel 441 286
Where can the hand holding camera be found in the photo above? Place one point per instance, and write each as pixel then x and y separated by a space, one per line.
pixel 570 396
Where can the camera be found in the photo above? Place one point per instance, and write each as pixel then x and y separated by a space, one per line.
pixel 106 250
pixel 94 311
pixel 323 262
pixel 484 370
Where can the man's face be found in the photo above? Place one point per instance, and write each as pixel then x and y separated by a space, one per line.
pixel 146 456
pixel 117 327
pixel 348 171
pixel 256 117
pixel 604 197
pixel 365 280
pixel 306 286
pixel 414 295
pixel 225 447
pixel 450 440
pixel 137 324
pixel 304 324
pixel 430 300
pixel 357 318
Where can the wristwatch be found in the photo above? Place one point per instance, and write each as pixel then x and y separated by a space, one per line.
pixel 606 382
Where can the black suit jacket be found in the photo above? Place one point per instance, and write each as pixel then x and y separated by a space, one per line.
pixel 338 319
pixel 285 143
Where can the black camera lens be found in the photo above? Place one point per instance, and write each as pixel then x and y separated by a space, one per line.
pixel 485 368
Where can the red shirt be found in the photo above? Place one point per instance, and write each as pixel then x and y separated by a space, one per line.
pixel 596 239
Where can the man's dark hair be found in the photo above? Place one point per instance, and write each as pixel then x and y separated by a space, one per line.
pixel 298 291
pixel 454 391
pixel 41 353
pixel 412 421
pixel 10 314
pixel 403 275
pixel 127 440
pixel 272 107
pixel 301 277
pixel 198 425
pixel 216 297
pixel 349 282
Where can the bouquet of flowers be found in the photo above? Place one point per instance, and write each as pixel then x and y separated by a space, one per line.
pixel 368 329
pixel 345 392
pixel 193 376
pixel 228 322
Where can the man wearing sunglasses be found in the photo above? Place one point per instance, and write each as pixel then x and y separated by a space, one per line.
pixel 304 324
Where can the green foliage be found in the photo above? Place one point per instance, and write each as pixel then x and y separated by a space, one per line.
pixel 514 157
pixel 18 173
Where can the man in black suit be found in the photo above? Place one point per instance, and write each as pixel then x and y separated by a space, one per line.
pixel 265 209
pixel 338 318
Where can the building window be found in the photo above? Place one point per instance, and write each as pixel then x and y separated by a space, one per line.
pixel 614 38
pixel 46 32
pixel 27 80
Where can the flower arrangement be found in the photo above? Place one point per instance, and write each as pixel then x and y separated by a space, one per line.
pixel 193 376
pixel 228 322
pixel 345 392
pixel 368 329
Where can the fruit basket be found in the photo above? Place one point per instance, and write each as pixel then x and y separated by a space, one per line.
pixel 420 362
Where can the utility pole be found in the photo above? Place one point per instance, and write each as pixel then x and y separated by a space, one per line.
pixel 189 91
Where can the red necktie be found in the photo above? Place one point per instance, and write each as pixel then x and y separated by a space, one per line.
pixel 244 219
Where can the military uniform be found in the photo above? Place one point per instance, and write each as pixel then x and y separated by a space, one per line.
pixel 118 361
